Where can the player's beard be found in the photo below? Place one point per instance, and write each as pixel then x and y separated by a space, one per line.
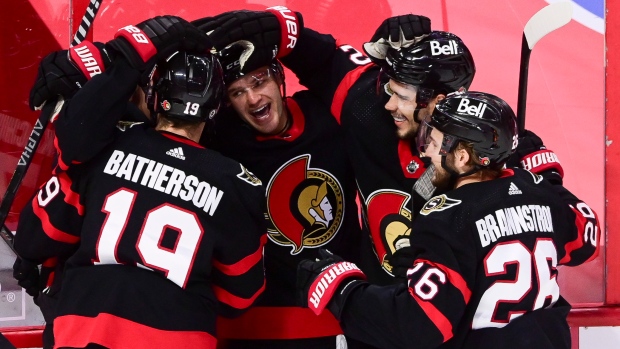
pixel 411 131
pixel 443 179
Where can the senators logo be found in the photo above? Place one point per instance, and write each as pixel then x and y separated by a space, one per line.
pixel 304 205
pixel 438 203
pixel 389 221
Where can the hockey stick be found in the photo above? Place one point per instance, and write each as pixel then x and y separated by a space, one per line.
pixel 49 109
pixel 543 22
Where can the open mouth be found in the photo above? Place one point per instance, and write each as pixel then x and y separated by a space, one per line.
pixel 399 118
pixel 261 112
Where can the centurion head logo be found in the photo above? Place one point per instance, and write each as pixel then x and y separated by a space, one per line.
pixel 304 206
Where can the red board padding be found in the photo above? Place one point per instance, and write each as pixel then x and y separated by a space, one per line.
pixel 25 337
pixel 612 151
pixel 603 316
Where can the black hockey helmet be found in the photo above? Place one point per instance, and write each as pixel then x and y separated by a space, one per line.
pixel 439 63
pixel 479 118
pixel 230 56
pixel 188 87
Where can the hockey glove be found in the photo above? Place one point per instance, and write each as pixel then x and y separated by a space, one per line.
pixel 532 155
pixel 272 33
pixel 319 282
pixel 157 38
pixel 63 73
pixel 397 32
pixel 402 259
pixel 27 275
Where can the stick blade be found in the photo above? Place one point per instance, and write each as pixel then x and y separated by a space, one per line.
pixel 548 19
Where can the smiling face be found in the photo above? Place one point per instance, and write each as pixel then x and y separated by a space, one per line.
pixel 256 97
pixel 402 106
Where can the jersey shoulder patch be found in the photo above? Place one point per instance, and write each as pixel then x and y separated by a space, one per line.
pixel 438 203
pixel 248 176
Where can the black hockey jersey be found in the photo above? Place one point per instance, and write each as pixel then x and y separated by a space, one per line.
pixel 385 166
pixel 172 233
pixel 485 274
pixel 310 197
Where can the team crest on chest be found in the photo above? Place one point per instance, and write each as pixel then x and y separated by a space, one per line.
pixel 438 203
pixel 305 206
pixel 389 222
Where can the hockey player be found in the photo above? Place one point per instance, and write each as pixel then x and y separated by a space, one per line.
pixel 416 68
pixel 296 146
pixel 157 221
pixel 60 75
pixel 486 252
pixel 378 127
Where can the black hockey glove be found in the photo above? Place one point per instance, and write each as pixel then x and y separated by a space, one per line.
pixel 27 275
pixel 319 282
pixel 272 33
pixel 532 155
pixel 64 72
pixel 402 259
pixel 157 38
pixel 397 32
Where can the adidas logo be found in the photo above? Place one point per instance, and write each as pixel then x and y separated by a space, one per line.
pixel 176 152
pixel 513 190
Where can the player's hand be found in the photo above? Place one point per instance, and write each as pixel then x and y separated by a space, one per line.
pixel 397 32
pixel 64 72
pixel 318 282
pixel 531 154
pixel 402 259
pixel 145 44
pixel 271 34
pixel 27 275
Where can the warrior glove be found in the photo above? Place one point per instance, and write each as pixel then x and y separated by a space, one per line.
pixel 532 155
pixel 267 35
pixel 327 282
pixel 397 32
pixel 157 38
pixel 63 73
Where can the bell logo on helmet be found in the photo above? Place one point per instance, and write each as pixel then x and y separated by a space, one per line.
pixel 165 105
pixel 473 110
pixel 450 49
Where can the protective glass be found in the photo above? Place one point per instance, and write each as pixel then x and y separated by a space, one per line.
pixel 429 146
pixel 423 137
pixel 254 82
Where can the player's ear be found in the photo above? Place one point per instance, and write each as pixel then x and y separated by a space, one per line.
pixel 461 157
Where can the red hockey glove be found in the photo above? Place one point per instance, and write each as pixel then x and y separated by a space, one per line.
pixel 532 155
pixel 318 282
pixel 157 38
pixel 272 33
pixel 397 32
pixel 64 72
